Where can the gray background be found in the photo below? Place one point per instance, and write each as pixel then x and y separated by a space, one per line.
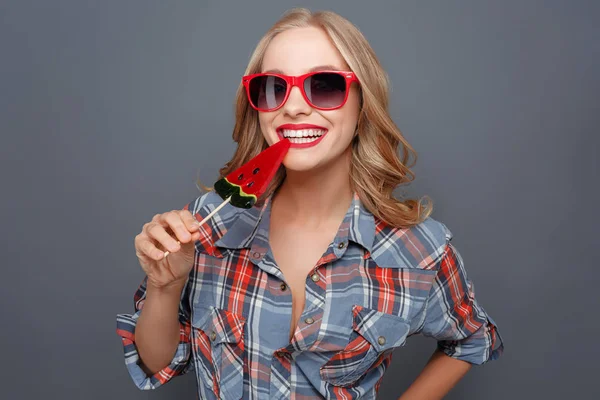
pixel 109 109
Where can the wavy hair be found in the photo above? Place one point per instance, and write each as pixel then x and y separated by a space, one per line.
pixel 378 166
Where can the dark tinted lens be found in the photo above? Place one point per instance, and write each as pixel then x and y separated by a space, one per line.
pixel 267 92
pixel 325 89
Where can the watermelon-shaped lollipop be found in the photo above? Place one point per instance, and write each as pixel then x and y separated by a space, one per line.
pixel 245 185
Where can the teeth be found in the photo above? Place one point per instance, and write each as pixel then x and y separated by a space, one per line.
pixel 302 140
pixel 304 133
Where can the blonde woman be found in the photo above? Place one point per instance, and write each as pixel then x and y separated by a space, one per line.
pixel 308 293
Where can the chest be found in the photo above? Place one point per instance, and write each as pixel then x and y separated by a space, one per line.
pixel 362 303
pixel 252 292
pixel 296 253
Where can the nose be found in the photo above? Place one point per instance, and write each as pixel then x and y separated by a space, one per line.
pixel 295 104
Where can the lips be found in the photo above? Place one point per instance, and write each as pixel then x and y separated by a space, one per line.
pixel 298 127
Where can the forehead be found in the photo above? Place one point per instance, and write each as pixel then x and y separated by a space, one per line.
pixel 297 50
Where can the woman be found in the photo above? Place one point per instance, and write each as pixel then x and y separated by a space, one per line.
pixel 309 292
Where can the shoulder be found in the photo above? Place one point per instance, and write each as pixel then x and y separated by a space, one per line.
pixel 420 246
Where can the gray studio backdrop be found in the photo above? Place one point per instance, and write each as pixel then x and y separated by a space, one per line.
pixel 109 109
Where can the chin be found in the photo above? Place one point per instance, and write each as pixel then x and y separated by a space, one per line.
pixel 298 165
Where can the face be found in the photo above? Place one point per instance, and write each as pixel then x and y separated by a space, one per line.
pixel 296 52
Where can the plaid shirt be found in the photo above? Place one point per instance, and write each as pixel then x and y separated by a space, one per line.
pixel 374 286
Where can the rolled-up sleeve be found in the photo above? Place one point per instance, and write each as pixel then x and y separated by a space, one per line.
pixel 179 365
pixel 453 316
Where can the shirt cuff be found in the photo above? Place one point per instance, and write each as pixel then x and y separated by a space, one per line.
pixel 482 346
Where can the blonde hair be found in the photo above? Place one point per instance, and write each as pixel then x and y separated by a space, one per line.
pixel 376 168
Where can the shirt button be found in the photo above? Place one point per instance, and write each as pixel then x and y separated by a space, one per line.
pixel 381 340
pixel 341 245
pixel 309 320
pixel 256 254
pixel 315 277
pixel 213 336
pixel 283 286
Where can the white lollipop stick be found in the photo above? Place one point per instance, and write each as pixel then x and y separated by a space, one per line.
pixel 209 216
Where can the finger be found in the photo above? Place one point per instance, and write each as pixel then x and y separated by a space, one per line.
pixel 190 221
pixel 147 249
pixel 162 237
pixel 178 227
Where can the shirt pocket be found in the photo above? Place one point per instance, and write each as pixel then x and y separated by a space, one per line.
pixel 219 350
pixel 374 335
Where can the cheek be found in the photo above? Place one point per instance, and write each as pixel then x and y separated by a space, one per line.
pixel 352 108
pixel 346 119
pixel 261 121
pixel 264 121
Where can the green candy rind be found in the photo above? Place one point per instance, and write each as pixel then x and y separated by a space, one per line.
pixel 239 198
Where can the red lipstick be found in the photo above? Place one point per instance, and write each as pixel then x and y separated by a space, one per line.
pixel 301 127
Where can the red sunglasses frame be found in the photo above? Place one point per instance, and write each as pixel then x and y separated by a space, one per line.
pixel 299 82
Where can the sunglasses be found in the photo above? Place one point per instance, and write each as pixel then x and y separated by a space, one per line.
pixel 323 90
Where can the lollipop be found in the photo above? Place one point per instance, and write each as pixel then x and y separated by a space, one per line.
pixel 245 185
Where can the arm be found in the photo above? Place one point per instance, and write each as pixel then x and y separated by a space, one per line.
pixel 165 350
pixel 156 337
pixel 157 329
pixel 466 335
pixel 440 375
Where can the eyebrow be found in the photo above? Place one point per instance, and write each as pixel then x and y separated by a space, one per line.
pixel 313 69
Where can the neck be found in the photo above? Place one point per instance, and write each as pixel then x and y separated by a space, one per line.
pixel 317 197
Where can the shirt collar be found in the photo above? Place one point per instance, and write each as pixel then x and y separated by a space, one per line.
pixel 358 226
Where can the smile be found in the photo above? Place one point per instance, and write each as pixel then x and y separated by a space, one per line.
pixel 302 135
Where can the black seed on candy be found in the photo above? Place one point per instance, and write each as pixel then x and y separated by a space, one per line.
pixel 250 184
pixel 240 177
pixel 256 171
